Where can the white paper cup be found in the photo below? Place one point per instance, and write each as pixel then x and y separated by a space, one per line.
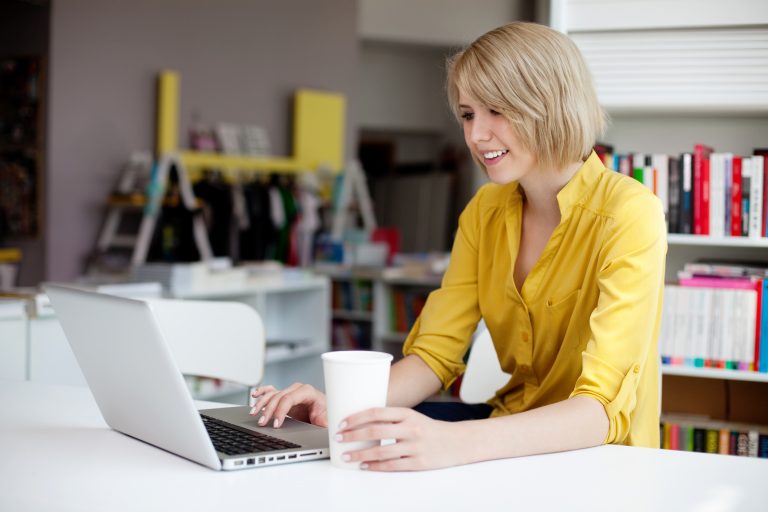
pixel 355 380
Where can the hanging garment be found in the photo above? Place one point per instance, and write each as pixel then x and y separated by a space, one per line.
pixel 257 242
pixel 217 210
pixel 284 233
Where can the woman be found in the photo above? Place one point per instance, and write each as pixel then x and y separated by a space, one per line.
pixel 562 258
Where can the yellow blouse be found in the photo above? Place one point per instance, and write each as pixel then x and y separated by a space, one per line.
pixel 586 321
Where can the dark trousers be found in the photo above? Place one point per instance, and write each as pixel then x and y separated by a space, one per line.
pixel 454 411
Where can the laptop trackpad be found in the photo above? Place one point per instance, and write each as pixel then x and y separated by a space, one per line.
pixel 240 416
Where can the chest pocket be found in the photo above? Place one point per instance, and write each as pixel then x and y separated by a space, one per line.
pixel 564 325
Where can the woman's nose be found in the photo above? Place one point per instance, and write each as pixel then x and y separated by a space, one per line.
pixel 479 130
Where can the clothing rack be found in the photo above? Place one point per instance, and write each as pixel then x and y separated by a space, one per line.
pixel 318 137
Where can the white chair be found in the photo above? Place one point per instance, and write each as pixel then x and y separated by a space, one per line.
pixel 483 375
pixel 220 340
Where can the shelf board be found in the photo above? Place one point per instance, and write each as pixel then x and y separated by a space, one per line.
pixel 200 159
pixel 704 240
pixel 714 373
pixel 361 316
pixel 291 354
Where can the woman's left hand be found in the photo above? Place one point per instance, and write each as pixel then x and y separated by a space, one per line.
pixel 421 442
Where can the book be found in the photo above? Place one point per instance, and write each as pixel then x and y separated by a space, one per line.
pixel 746 188
pixel 756 198
pixel 764 153
pixel 638 167
pixel 660 164
pixel 701 153
pixel 700 439
pixel 742 445
pixel 736 198
pixel 706 191
pixel 686 193
pixel 712 438
pixel 723 444
pixel 717 195
pixel 732 442
pixel 762 348
pixel 674 192
pixel 762 446
pixel 753 438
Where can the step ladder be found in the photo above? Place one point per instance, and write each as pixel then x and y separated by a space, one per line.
pixel 137 201
pixel 354 190
pixel 155 194
pixel 127 200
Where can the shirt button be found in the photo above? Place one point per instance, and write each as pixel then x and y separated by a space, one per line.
pixel 636 369
pixel 525 336
pixel 525 368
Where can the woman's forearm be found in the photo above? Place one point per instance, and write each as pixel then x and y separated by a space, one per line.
pixel 411 382
pixel 577 422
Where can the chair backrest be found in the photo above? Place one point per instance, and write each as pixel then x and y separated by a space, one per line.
pixel 222 340
pixel 484 374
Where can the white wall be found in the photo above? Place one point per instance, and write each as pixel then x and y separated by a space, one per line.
pixel 239 61
pixel 402 87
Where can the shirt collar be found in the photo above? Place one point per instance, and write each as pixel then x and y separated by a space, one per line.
pixel 580 184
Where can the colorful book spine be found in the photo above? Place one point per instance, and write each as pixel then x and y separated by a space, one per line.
pixel 762 349
pixel 701 153
pixel 756 197
pixel 686 193
pixel 711 441
pixel 736 196
pixel 675 194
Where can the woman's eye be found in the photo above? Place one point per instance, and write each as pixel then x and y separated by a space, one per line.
pixel 467 116
pixel 494 113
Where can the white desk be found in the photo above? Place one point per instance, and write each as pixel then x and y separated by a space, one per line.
pixel 56 453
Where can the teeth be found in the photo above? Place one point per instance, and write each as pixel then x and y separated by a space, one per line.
pixel 494 154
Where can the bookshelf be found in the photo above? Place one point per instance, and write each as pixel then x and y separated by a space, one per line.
pixel 649 69
pixel 365 298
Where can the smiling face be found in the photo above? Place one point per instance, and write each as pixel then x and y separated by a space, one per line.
pixel 492 141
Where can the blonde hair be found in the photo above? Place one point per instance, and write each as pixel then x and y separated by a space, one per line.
pixel 537 78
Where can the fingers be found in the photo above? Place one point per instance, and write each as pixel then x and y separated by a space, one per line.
pixel 378 453
pixel 274 405
pixel 293 396
pixel 270 399
pixel 376 415
pixel 374 432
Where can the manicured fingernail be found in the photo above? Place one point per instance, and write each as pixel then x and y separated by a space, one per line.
pixel 262 420
pixel 363 466
pixel 338 437
pixel 342 425
pixel 346 458
pixel 253 411
pixel 276 423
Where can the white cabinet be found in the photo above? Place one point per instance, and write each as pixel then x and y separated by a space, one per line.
pixel 296 315
pixel 295 312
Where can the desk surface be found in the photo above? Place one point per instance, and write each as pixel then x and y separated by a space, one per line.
pixel 56 453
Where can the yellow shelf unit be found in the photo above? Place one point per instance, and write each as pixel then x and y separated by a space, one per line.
pixel 318 134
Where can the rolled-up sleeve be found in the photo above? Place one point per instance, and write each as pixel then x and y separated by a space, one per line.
pixel 624 325
pixel 442 333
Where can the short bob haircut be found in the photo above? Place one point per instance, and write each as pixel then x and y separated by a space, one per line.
pixel 536 77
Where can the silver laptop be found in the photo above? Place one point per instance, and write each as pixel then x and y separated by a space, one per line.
pixel 141 392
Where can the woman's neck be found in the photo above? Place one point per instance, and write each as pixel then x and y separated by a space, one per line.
pixel 540 189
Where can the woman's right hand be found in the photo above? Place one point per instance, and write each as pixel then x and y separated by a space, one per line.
pixel 300 401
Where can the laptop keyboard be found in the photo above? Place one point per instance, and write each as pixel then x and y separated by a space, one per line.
pixel 231 441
